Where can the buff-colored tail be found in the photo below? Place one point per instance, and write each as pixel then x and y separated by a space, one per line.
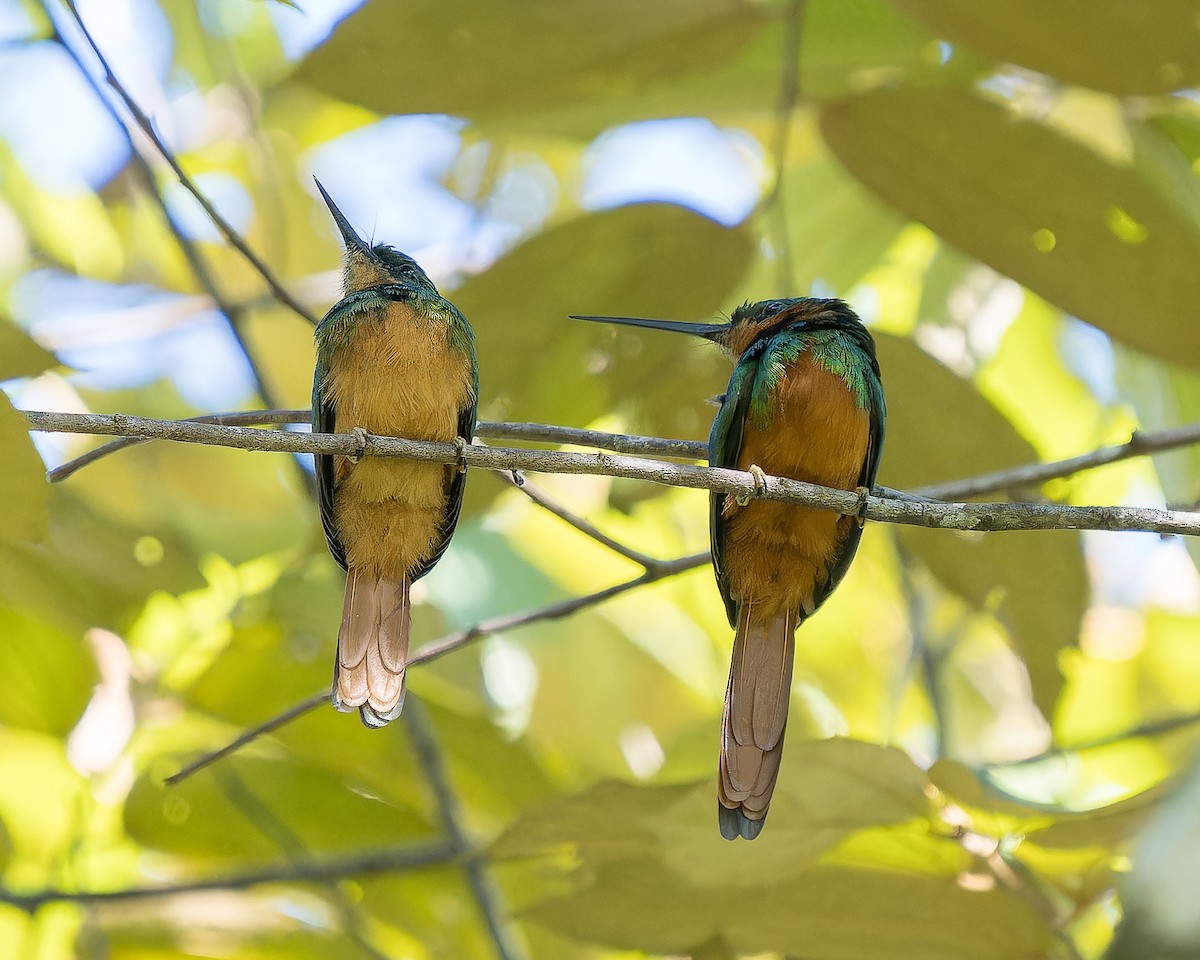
pixel 373 647
pixel 756 707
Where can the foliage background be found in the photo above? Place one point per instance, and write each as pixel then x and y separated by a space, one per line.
pixel 1009 194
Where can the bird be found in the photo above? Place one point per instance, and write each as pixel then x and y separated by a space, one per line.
pixel 394 358
pixel 805 400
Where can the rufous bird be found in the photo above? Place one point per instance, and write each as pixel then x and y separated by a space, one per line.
pixel 394 358
pixel 804 401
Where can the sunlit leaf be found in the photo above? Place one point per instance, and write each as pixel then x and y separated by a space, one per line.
pixel 1091 237
pixel 940 428
pixel 46 675
pixel 20 354
pixel 23 488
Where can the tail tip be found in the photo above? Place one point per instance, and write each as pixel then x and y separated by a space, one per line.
pixel 373 719
pixel 734 823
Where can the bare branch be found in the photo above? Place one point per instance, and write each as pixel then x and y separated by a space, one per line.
pixel 146 125
pixel 980 517
pixel 230 313
pixel 429 753
pixel 253 733
pixel 453 641
pixel 1140 444
pixel 395 860
pixel 1153 728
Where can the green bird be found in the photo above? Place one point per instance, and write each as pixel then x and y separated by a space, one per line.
pixel 804 401
pixel 394 358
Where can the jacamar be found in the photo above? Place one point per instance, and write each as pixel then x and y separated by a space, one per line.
pixel 395 358
pixel 804 401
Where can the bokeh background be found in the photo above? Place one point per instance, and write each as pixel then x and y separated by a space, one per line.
pixel 1009 194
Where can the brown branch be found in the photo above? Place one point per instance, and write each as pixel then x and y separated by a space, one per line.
pixel 412 857
pixel 982 517
pixel 1138 445
pixel 451 642
pixel 146 125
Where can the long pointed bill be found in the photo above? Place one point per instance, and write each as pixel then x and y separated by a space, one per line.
pixel 709 331
pixel 354 243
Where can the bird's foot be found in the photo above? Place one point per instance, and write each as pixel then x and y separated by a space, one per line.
pixel 363 439
pixel 863 494
pixel 461 445
pixel 760 484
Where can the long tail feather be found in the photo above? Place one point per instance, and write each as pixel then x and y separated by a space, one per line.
pixel 756 706
pixel 373 647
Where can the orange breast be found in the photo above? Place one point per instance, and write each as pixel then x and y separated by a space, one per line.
pixel 396 375
pixel 778 554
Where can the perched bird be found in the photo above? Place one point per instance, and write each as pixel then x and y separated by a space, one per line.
pixel 804 401
pixel 394 358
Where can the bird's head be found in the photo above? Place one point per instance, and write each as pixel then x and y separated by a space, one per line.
pixel 370 265
pixel 752 322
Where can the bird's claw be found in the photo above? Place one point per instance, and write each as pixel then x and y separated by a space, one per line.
pixel 760 484
pixel 863 494
pixel 461 445
pixel 363 439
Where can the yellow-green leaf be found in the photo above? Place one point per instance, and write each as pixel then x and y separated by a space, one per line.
pixel 23 487
pixel 1088 235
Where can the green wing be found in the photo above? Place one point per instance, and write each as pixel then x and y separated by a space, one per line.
pixel 323 420
pixel 724 447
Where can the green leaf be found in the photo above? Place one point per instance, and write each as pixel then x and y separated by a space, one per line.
pixel 224 814
pixel 46 675
pixel 642 260
pixel 940 428
pixel 492 59
pixel 1092 237
pixel 1124 48
pixel 20 354
pixel 828 789
pixel 23 487
pixel 825 911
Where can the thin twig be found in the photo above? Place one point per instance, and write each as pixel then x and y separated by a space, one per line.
pixel 451 642
pixel 293 712
pixel 980 517
pixel 1152 728
pixel 146 125
pixel 412 857
pixel 229 312
pixel 1138 445
pixel 548 503
pixel 487 897
pixel 789 95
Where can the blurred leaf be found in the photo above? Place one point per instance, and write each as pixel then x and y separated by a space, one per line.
pixel 200 819
pixel 940 428
pixel 1124 48
pixel 1005 189
pixel 837 230
pixel 21 355
pixel 1109 826
pixel 827 790
pixel 642 260
pixel 46 676
pixel 23 487
pixel 503 60
pixel 825 911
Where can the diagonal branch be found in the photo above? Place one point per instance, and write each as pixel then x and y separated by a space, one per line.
pixel 451 642
pixel 412 857
pixel 146 125
pixel 744 486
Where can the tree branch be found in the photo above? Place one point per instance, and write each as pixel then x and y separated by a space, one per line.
pixel 398 859
pixel 982 517
pixel 451 642
pixel 487 897
pixel 146 125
